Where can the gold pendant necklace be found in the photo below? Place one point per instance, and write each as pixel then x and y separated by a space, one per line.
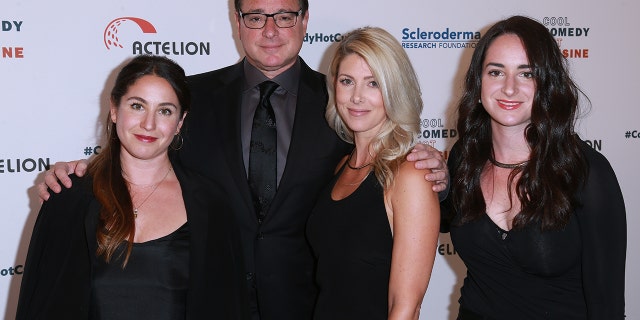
pixel 135 208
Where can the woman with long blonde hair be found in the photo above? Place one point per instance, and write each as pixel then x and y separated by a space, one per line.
pixel 375 227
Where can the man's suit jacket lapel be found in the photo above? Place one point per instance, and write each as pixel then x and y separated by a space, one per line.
pixel 229 106
pixel 309 117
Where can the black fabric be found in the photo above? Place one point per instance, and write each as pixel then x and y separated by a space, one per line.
pixel 56 283
pixel 351 239
pixel 263 152
pixel 465 314
pixel 153 285
pixel 574 273
pixel 279 264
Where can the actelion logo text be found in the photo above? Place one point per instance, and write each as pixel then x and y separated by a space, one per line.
pixel 112 39
pixel 24 165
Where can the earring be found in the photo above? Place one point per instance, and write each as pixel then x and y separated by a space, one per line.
pixel 479 101
pixel 177 142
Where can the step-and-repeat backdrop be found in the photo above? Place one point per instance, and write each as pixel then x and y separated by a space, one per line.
pixel 58 60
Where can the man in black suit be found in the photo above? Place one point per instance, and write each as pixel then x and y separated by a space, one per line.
pixel 278 263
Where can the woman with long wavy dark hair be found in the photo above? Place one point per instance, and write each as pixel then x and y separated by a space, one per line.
pixel 536 215
pixel 137 237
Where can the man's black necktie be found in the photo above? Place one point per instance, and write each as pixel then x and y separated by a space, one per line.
pixel 263 152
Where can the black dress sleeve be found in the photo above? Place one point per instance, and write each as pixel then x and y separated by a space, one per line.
pixel 603 228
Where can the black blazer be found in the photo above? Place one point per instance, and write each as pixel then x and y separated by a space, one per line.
pixel 278 262
pixel 56 283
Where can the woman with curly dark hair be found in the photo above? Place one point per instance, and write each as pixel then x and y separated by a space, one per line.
pixel 536 215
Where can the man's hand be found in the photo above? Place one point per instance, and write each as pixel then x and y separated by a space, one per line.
pixel 428 157
pixel 59 174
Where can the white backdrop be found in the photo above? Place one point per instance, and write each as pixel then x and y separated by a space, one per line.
pixel 56 70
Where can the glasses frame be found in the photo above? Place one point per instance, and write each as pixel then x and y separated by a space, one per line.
pixel 269 15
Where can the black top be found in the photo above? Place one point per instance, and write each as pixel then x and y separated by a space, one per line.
pixel 352 241
pixel 57 278
pixel 153 285
pixel 574 273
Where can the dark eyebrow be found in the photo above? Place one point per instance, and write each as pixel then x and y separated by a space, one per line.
pixel 500 65
pixel 164 104
pixel 137 99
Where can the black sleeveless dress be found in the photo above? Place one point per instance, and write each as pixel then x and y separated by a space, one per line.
pixel 351 239
pixel 153 285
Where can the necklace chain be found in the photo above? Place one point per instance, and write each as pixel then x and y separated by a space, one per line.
pixel 135 208
pixel 356 168
pixel 507 165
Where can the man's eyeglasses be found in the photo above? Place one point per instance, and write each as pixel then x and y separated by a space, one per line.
pixel 285 19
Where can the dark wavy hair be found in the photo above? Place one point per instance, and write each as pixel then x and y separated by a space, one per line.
pixel 548 183
pixel 116 221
